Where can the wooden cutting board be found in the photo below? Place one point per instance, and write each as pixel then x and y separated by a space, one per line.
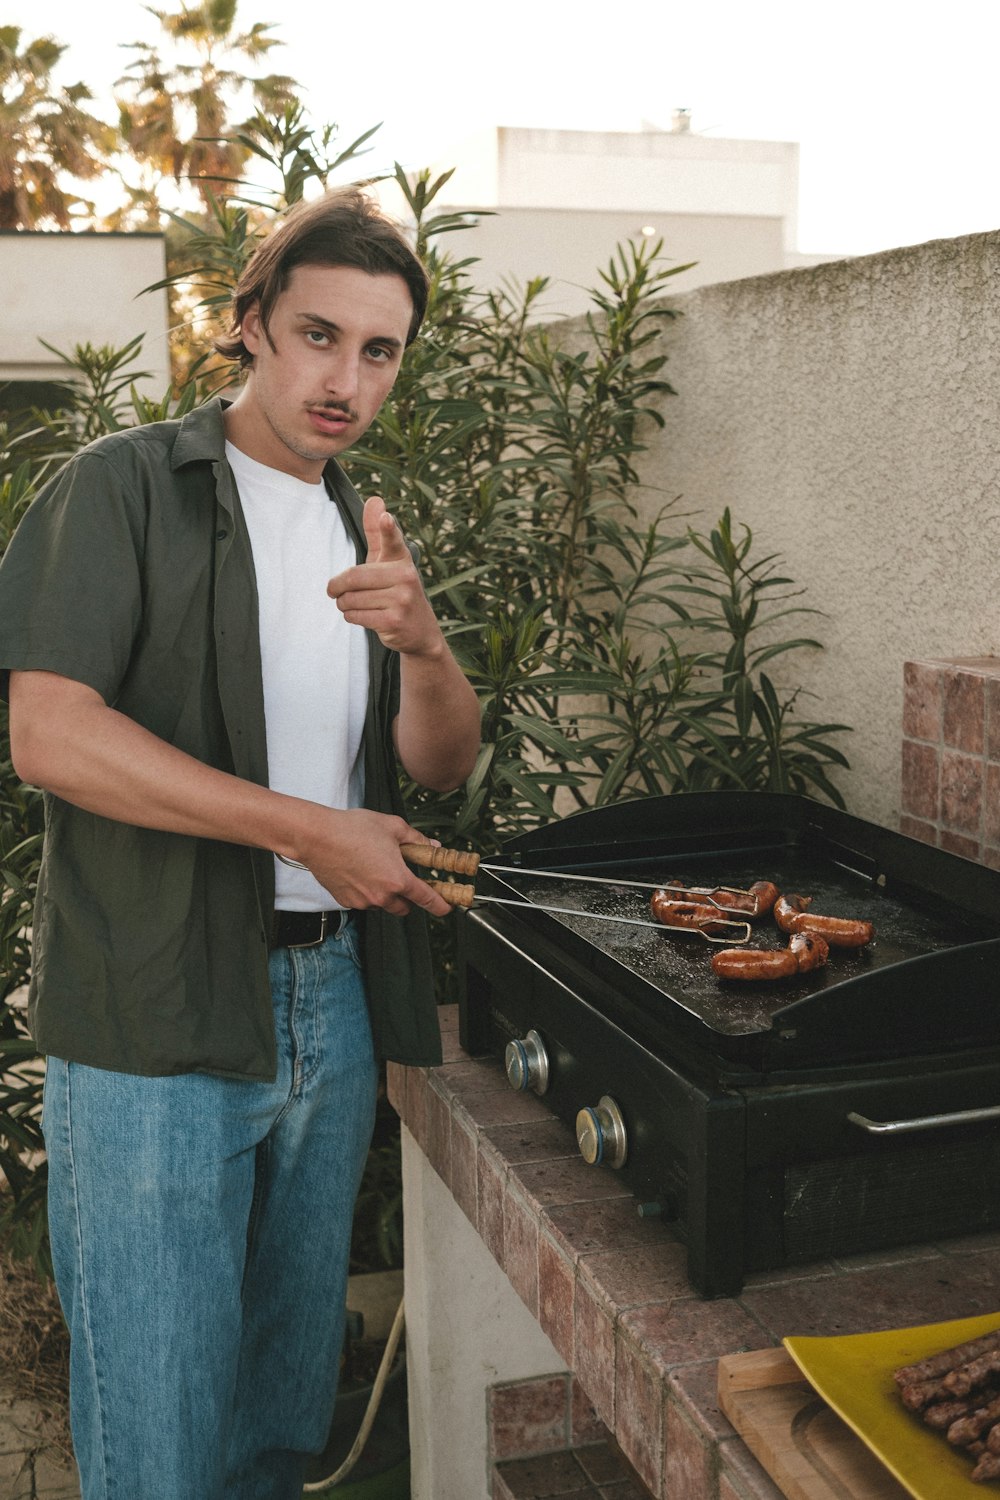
pixel 804 1446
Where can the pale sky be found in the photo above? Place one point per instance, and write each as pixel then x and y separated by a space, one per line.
pixel 895 106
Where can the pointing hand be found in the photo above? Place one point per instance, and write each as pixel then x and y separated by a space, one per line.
pixel 384 593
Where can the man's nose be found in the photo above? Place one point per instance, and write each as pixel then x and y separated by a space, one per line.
pixel 342 376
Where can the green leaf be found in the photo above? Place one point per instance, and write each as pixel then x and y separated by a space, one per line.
pixel 743 699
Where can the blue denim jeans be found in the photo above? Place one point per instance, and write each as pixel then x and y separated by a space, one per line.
pixel 200 1232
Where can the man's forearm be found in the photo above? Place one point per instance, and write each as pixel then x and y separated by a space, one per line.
pixel 67 740
pixel 437 732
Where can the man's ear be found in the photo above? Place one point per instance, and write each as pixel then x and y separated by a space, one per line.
pixel 251 330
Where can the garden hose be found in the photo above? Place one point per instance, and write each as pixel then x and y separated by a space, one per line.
pixel 374 1401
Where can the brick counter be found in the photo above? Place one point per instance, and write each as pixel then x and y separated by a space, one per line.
pixel 610 1291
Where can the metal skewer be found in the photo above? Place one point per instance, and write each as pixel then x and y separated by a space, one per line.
pixel 466 896
pixel 595 916
pixel 641 885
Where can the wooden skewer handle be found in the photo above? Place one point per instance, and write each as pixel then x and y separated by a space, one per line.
pixel 452 861
pixel 453 893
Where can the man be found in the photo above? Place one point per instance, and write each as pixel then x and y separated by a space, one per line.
pixel 215 656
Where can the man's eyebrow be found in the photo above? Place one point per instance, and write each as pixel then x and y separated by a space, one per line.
pixel 331 327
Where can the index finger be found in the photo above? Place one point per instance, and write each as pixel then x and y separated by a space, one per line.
pixel 392 543
pixel 422 895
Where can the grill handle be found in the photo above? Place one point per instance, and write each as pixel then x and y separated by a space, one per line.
pixel 923 1122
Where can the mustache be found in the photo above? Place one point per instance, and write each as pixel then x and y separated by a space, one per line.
pixel 328 408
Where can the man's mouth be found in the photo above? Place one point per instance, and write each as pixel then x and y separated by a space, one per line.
pixel 331 419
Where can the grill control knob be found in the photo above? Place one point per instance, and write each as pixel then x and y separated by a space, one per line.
pixel 527 1063
pixel 601 1134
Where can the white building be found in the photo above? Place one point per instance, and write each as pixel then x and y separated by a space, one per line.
pixel 561 200
pixel 69 289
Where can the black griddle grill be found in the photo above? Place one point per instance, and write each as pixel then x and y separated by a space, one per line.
pixel 745 1105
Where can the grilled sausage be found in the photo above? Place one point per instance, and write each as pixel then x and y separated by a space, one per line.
pixel 840 932
pixel 968 1376
pixel 966 1430
pixel 941 1414
pixel 738 901
pixel 988 1467
pixel 811 951
pixel 789 910
pixel 805 951
pixel 756 902
pixel 754 963
pixel 672 911
pixel 917 1394
pixel 765 894
pixel 937 1365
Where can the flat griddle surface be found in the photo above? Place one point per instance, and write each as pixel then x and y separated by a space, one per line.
pixel 677 964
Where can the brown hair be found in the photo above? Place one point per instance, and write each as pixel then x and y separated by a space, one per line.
pixel 343 228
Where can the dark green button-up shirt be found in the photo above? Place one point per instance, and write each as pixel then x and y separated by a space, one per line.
pixel 132 572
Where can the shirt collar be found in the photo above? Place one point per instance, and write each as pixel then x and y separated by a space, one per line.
pixel 201 438
pixel 201 435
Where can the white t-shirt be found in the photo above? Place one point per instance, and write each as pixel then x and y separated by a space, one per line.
pixel 315 665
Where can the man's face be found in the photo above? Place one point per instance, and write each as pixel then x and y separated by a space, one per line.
pixel 338 335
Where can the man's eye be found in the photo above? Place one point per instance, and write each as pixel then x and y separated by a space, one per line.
pixel 377 351
pixel 317 336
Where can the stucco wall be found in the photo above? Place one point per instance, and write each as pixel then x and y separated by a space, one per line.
pixel 849 414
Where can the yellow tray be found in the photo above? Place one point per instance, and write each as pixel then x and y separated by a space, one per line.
pixel 853 1374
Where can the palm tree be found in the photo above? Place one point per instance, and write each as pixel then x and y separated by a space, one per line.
pixel 46 136
pixel 177 118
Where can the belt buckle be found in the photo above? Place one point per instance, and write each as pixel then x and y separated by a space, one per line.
pixel 316 941
pixel 322 933
pixel 331 924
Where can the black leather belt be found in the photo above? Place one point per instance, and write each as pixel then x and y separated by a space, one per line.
pixel 306 929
